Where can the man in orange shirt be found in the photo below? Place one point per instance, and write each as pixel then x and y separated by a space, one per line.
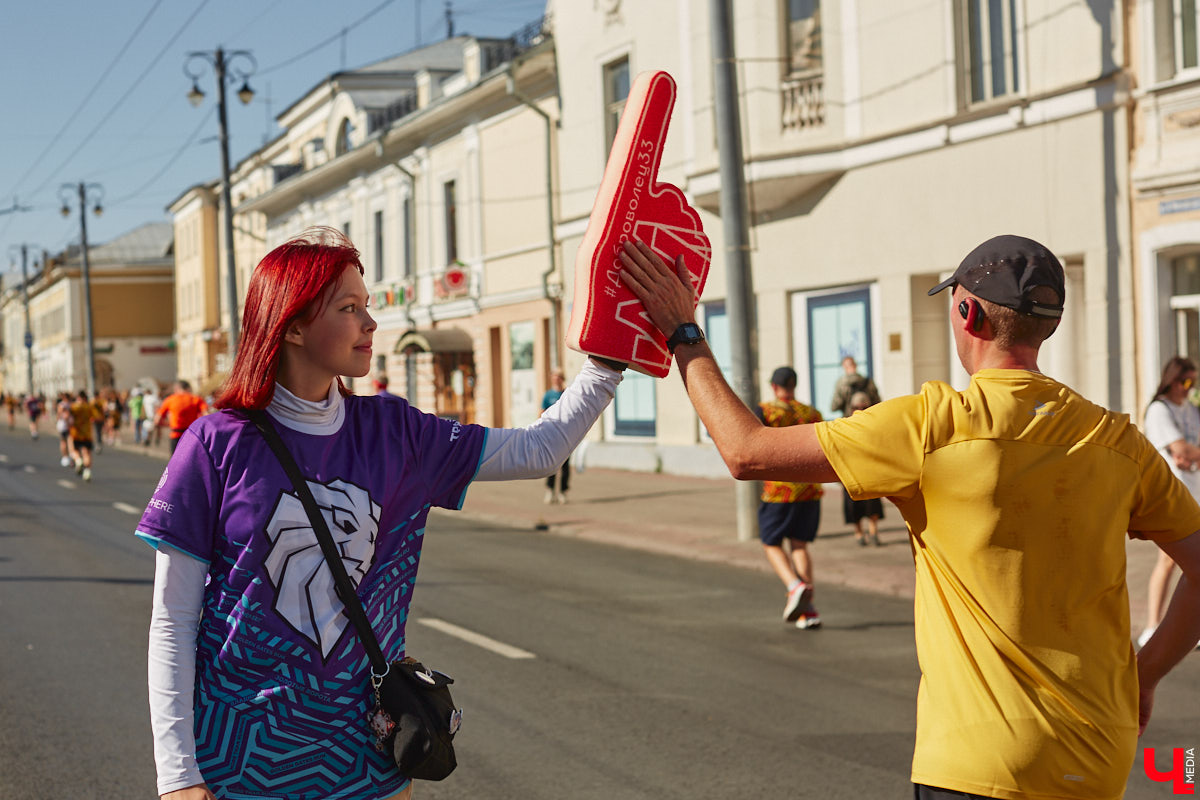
pixel 180 409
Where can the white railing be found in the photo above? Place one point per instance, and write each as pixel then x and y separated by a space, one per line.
pixel 803 101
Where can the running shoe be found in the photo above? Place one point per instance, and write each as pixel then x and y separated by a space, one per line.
pixel 87 473
pixel 796 599
pixel 809 620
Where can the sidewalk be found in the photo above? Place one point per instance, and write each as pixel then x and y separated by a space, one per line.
pixel 694 518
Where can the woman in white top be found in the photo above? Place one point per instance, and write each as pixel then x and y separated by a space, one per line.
pixel 1172 426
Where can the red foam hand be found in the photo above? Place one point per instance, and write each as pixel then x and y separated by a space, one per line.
pixel 607 319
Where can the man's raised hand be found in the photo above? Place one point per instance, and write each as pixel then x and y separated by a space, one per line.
pixel 666 294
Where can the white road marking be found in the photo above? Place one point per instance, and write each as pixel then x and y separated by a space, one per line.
pixel 3 458
pixel 128 509
pixel 477 639
pixel 30 468
pixel 66 484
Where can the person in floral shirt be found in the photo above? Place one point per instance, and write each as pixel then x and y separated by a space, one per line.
pixel 790 511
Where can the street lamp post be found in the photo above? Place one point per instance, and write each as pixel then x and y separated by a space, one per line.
pixel 224 69
pixel 28 327
pixel 739 289
pixel 97 192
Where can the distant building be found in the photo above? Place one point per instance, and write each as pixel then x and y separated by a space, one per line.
pixel 201 331
pixel 132 288
pixel 437 164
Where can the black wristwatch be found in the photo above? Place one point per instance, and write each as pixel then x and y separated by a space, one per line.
pixel 687 333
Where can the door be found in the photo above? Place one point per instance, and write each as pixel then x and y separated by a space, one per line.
pixel 839 325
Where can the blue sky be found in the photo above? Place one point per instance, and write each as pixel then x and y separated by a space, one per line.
pixel 97 92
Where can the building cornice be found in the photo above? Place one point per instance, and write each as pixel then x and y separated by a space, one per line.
pixel 404 136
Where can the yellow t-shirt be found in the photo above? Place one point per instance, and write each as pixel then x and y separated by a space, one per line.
pixel 83 414
pixel 1018 494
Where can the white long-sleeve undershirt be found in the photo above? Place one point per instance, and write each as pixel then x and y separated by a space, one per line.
pixel 509 454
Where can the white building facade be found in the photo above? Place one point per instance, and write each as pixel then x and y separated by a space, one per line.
pixel 882 142
pixel 437 164
pixel 1166 186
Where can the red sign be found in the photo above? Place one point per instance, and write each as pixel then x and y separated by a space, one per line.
pixel 454 282
pixel 1183 769
pixel 607 319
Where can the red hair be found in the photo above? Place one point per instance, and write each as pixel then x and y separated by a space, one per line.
pixel 287 287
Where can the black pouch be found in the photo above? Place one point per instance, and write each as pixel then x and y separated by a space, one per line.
pixel 415 719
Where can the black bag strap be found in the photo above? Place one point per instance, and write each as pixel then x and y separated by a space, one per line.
pixel 345 590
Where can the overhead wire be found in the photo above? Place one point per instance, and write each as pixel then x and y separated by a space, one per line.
pixel 163 170
pixel 87 96
pixel 195 133
pixel 253 22
pixel 117 105
pixel 330 40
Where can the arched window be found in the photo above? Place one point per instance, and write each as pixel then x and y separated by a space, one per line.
pixel 342 143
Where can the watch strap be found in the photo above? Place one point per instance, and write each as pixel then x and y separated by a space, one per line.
pixel 680 337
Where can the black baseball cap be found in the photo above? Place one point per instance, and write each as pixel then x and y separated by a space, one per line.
pixel 1004 269
pixel 784 376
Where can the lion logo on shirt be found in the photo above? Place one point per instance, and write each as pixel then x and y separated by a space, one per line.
pixel 305 594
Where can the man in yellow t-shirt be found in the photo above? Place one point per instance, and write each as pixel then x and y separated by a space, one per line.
pixel 1018 494
pixel 83 415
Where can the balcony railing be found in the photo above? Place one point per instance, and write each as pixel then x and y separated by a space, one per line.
pixel 803 102
pixel 530 35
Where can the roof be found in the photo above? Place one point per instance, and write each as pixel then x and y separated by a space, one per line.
pixel 150 242
pixel 446 54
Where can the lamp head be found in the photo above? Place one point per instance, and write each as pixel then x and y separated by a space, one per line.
pixel 195 96
pixel 245 94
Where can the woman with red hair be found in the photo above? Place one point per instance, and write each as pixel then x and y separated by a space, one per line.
pixel 258 684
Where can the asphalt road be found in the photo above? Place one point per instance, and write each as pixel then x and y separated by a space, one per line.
pixel 603 672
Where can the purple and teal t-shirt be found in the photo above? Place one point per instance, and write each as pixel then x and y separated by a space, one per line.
pixel 281 678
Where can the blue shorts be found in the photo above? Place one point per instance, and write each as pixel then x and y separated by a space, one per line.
pixel 779 521
pixel 923 792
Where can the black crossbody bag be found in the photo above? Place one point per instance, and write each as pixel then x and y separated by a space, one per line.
pixel 414 717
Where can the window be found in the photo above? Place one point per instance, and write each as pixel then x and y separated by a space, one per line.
pixel 616 91
pixel 451 210
pixel 716 332
pixel 1175 37
pixel 634 405
pixel 409 266
pixel 990 44
pixel 1185 304
pixel 804 36
pixel 378 246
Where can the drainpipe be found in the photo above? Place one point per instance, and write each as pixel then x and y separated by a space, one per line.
pixel 411 226
pixel 555 295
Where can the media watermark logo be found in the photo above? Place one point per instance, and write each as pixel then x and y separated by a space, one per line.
pixel 1182 774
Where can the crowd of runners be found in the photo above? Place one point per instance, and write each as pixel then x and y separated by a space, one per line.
pixel 86 424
